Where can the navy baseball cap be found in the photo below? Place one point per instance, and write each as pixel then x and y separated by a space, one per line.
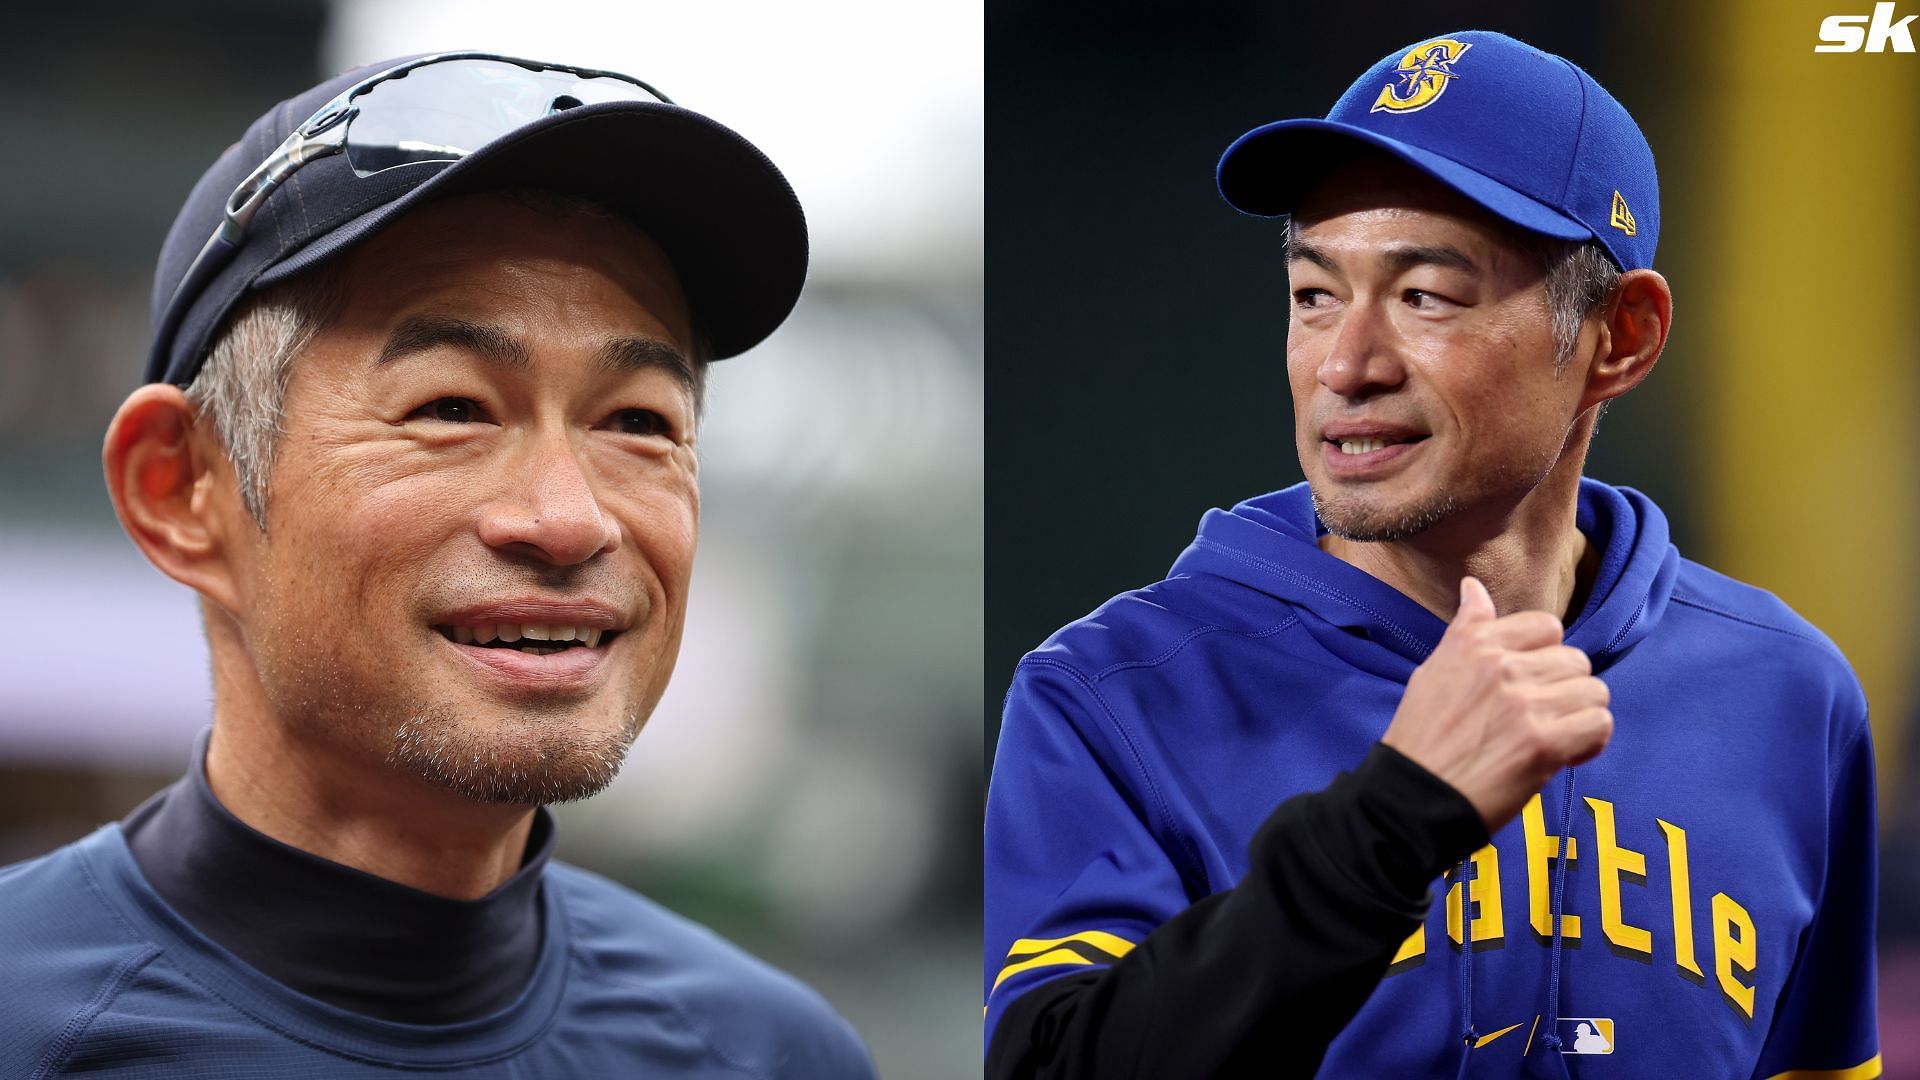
pixel 1523 133
pixel 721 211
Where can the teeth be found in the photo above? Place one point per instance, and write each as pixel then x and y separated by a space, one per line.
pixel 512 632
pixel 1361 446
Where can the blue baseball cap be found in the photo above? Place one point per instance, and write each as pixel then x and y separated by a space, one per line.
pixel 1523 133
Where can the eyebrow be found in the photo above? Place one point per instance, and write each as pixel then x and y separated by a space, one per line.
pixel 1299 250
pixel 625 355
pixel 1443 255
pixel 423 333
pixel 620 356
pixel 1397 260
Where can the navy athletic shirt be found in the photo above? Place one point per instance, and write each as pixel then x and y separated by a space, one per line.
pixel 186 943
pixel 349 938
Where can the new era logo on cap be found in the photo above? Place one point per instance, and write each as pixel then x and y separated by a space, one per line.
pixel 1622 217
pixel 1525 134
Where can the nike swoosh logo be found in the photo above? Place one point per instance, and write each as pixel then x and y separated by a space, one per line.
pixel 1485 1039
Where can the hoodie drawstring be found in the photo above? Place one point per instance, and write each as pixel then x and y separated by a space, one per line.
pixel 1552 1017
pixel 1464 874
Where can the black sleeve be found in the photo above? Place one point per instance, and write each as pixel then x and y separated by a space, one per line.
pixel 1257 980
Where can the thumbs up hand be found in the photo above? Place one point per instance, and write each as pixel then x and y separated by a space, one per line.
pixel 1500 706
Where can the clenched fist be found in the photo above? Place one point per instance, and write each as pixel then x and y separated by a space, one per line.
pixel 1500 706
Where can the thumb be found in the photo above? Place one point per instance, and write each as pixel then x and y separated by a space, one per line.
pixel 1476 604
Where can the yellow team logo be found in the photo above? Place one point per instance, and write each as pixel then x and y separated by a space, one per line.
pixel 1422 76
pixel 1623 217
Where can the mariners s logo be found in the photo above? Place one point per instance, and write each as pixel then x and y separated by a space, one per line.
pixel 1421 76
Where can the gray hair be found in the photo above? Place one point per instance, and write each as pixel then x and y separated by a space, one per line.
pixel 242 387
pixel 1581 277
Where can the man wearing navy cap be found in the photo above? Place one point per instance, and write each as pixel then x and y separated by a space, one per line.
pixel 1182 881
pixel 419 427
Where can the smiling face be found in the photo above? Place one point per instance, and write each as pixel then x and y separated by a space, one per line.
pixel 489 450
pixel 1421 356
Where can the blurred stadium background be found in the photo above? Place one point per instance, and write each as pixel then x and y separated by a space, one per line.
pixel 1138 323
pixel 811 784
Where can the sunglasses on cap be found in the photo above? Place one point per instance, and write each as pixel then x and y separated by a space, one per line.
pixel 440 107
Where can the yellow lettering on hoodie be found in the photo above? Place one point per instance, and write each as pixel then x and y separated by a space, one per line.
pixel 1616 863
pixel 1489 921
pixel 1680 881
pixel 1541 851
pixel 1733 947
pixel 1412 951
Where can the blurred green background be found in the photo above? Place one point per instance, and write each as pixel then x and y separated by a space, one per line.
pixel 1137 324
pixel 810 786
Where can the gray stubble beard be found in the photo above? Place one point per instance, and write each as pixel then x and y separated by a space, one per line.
pixel 526 756
pixel 1399 523
pixel 446 750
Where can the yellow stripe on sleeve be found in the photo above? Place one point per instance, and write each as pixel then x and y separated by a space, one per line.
pixel 1869 1069
pixel 1110 944
pixel 1057 956
pixel 1028 953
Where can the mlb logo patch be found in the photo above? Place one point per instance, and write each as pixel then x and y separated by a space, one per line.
pixel 1586 1035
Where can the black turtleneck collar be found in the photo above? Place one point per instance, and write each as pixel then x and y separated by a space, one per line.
pixel 341 935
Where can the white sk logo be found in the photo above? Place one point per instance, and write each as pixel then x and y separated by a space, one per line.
pixel 1871 33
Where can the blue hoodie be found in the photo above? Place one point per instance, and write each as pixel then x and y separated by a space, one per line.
pixel 1718 897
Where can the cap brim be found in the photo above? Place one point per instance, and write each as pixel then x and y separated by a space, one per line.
pixel 723 213
pixel 1267 171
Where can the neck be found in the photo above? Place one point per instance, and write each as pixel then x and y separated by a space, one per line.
pixel 330 800
pixel 1530 555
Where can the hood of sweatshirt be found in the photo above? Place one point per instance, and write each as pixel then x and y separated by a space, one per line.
pixel 1270 543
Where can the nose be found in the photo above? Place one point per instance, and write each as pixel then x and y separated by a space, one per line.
pixel 1359 361
pixel 551 511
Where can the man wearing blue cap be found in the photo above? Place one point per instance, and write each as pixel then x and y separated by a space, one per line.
pixel 1181 881
pixel 419 428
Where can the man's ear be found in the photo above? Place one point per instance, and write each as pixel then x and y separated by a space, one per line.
pixel 174 491
pixel 1632 334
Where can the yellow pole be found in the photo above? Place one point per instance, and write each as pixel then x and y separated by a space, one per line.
pixel 1801 313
